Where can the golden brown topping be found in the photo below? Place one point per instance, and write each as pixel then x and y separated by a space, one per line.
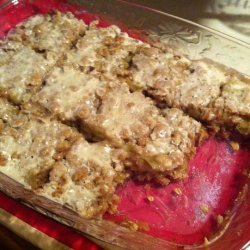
pixel 3 159
pixel 37 178
pixel 80 175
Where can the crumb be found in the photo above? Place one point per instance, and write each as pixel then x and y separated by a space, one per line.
pixel 204 208
pixel 235 145
pixel 246 173
pixel 143 226
pixel 112 209
pixel 242 193
pixel 116 199
pixel 113 206
pixel 150 198
pixel 133 226
pixel 162 180
pixel 206 242
pixel 178 191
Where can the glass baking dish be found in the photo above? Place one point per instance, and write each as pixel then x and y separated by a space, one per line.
pixel 186 37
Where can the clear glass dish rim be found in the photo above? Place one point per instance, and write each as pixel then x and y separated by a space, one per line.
pixel 7 3
pixel 211 30
pixel 200 26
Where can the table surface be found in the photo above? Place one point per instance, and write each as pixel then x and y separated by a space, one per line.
pixel 10 241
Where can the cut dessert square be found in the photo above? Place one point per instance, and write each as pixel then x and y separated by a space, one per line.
pixel 122 117
pixel 22 71
pixel 234 100
pixel 236 96
pixel 205 90
pixel 32 49
pixel 104 50
pixel 55 161
pixel 152 67
pixel 53 32
pixel 175 79
pixel 67 91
